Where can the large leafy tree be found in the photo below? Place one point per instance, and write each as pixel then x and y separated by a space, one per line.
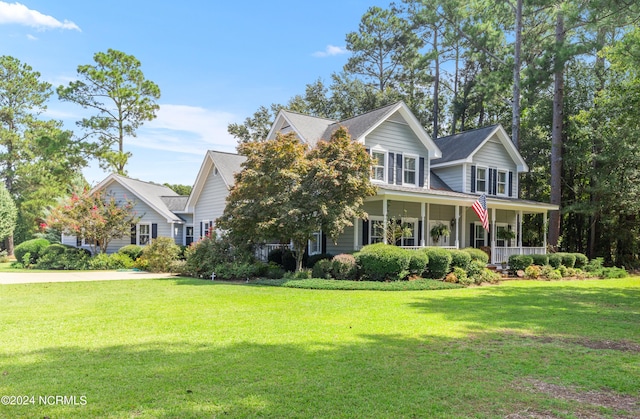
pixel 8 213
pixel 287 192
pixel 94 217
pixel 116 88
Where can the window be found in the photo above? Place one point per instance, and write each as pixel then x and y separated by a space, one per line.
pixel 144 234
pixel 378 169
pixel 315 244
pixel 376 235
pixel 480 235
pixel 409 170
pixel 206 228
pixel 189 235
pixel 409 226
pixel 481 179
pixel 502 183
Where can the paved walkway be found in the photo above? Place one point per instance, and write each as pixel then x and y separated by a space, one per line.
pixel 76 276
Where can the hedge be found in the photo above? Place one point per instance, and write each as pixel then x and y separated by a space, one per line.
pixel 382 262
pixel 540 260
pixel 439 262
pixel 33 247
pixel 460 259
pixel 477 254
pixel 519 262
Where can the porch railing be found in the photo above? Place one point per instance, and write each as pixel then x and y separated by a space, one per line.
pixel 422 247
pixel 263 250
pixel 501 254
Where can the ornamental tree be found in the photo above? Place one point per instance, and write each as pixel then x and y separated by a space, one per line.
pixel 8 213
pixel 95 217
pixel 288 192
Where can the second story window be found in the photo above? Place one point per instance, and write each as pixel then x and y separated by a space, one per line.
pixel 481 179
pixel 409 170
pixel 378 168
pixel 144 234
pixel 502 183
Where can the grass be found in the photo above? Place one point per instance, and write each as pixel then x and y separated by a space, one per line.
pixel 185 348
pixel 324 284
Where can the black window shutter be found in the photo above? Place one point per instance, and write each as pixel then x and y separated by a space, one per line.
pixel 495 181
pixel 390 168
pixel 79 241
pixel 154 231
pixel 490 182
pixel 323 248
pixel 472 235
pixel 133 234
pixel 419 233
pixel 399 169
pixel 473 179
pixel 368 150
pixel 510 185
pixel 365 232
pixel 421 173
pixel 201 230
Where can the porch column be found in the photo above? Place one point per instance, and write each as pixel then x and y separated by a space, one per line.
pixel 463 223
pixel 384 219
pixel 544 227
pixel 173 233
pixel 457 227
pixel 427 230
pixel 356 232
pixel 519 231
pixel 422 214
pixel 493 234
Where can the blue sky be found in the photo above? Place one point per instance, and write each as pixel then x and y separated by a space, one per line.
pixel 215 62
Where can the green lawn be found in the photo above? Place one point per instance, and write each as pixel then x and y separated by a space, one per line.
pixel 190 348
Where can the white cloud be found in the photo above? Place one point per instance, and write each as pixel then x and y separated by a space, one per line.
pixel 330 51
pixel 31 37
pixel 22 15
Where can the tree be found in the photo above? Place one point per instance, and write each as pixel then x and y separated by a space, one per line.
pixel 287 192
pixel 8 213
pixel 116 88
pixel 184 190
pixel 94 217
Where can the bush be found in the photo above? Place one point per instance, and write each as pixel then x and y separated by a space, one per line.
pixel 275 256
pixel 344 267
pixel 594 265
pixel 312 260
pixel 54 249
pixel 581 260
pixel 132 250
pixel 4 257
pixel 202 256
pixel 568 259
pixel 487 276
pixel 439 262
pixel 303 274
pixel 382 262
pixel 239 270
pixel 461 274
pixel 418 262
pixel 610 273
pixel 475 268
pixel 540 260
pixel 274 271
pixel 159 255
pixel 555 260
pixel 460 259
pixel 322 269
pixel 519 262
pixel 532 272
pixel 72 259
pixel 34 247
pixel 477 254
pixel 102 261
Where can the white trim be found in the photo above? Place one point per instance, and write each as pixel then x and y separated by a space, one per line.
pixel 486 180
pixel 416 168
pixel 139 234
pixel 385 161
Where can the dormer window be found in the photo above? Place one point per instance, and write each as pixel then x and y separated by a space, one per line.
pixel 378 167
pixel 481 179
pixel 502 183
pixel 409 170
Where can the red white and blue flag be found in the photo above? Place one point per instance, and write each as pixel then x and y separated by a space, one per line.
pixel 480 208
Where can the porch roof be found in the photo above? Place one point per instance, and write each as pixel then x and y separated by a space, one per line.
pixel 437 196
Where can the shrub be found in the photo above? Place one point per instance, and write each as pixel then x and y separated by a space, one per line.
pixel 238 270
pixel 418 262
pixel 477 254
pixel 274 271
pixel 594 265
pixel 4 257
pixel 382 262
pixel 54 249
pixel 451 277
pixel 34 247
pixel 103 261
pixel 303 274
pixel 519 262
pixel 475 268
pixel 71 258
pixel 202 256
pixel 159 255
pixel 460 259
pixel 567 259
pixel 461 274
pixel 439 262
pixel 322 269
pixel 275 256
pixel 540 260
pixel 132 250
pixel 312 260
pixel 486 276
pixel 564 271
pixel 610 273
pixel 532 272
pixel 581 260
pixel 555 260
pixel 344 267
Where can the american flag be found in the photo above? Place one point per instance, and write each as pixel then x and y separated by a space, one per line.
pixel 480 207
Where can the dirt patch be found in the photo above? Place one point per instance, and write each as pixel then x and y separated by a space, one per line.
pixel 614 345
pixel 624 406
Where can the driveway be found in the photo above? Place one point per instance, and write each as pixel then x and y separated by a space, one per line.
pixel 74 276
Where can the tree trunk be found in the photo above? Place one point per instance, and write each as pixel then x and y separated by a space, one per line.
pixel 556 137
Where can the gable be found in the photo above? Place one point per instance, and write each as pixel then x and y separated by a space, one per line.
pixel 223 165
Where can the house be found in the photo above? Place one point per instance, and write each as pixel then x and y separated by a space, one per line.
pixel 424 184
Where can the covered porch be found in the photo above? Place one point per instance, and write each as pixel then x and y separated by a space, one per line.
pixel 446 219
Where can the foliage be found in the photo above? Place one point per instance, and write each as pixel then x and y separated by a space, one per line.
pixel 94 217
pixel 532 272
pixel 383 262
pixel 568 259
pixel 33 248
pixel 614 272
pixel 476 268
pixel 322 269
pixel 8 213
pixel 439 230
pixel 4 257
pixel 71 259
pixel 460 258
pixel 344 267
pixel 115 87
pixel 203 256
pixel 324 284
pixel 581 260
pixel 555 260
pixel 132 250
pixel 418 262
pixel 439 262
pixel 313 259
pixel 298 275
pixel 519 262
pixel 486 276
pixel 459 275
pixel 477 254
pixel 287 192
pixel 184 190
pixel 240 270
pixel 160 255
pixel 540 260
pixel 102 261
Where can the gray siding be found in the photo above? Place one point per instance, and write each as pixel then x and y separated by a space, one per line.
pixel 344 243
pixel 145 212
pixel 452 176
pixel 494 155
pixel 211 202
